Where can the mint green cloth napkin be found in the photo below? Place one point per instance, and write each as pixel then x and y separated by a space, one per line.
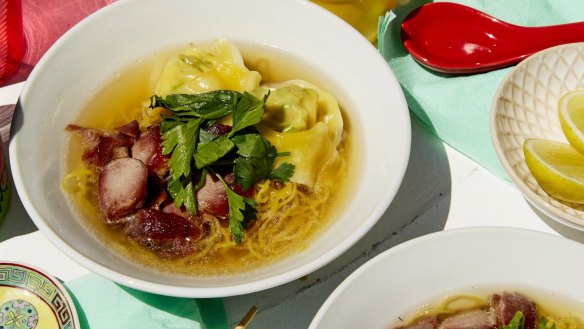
pixel 102 304
pixel 457 108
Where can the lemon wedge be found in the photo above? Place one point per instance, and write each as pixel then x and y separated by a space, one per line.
pixel 557 167
pixel 571 111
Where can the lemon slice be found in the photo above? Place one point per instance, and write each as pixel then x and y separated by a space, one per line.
pixel 571 108
pixel 557 167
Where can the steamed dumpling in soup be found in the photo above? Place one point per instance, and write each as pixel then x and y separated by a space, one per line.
pixel 302 117
pixel 196 71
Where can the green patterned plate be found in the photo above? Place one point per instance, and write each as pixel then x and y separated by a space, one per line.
pixel 33 299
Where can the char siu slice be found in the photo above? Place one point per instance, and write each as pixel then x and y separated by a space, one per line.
pixel 122 187
pixel 472 319
pixel 148 149
pixel 219 129
pixel 101 147
pixel 427 322
pixel 504 306
pixel 157 194
pixel 131 129
pixel 167 234
pixel 212 198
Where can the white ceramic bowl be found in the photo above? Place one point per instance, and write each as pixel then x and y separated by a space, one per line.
pixel 526 106
pixel 93 51
pixel 421 271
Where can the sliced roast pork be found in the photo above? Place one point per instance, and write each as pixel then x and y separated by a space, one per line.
pixel 427 322
pixel 157 194
pixel 148 149
pixel 219 129
pixel 131 129
pixel 472 319
pixel 101 147
pixel 212 198
pixel 167 234
pixel 122 187
pixel 504 306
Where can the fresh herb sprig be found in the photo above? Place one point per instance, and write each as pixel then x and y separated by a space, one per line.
pixel 194 150
pixel 518 322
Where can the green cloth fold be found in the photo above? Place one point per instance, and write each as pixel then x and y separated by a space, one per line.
pixel 457 108
pixel 102 304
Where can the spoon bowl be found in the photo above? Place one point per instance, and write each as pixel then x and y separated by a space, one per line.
pixel 453 38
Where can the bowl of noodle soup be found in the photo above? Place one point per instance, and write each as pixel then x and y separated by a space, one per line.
pixel 296 146
pixel 463 274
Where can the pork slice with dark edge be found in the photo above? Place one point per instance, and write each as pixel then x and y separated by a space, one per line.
pixel 122 187
pixel 505 305
pixel 167 234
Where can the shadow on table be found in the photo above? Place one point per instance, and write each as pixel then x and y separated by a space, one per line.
pixel 420 207
pixel 17 221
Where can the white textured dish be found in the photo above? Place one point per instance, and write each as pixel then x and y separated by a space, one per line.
pixel 95 50
pixel 526 106
pixel 407 277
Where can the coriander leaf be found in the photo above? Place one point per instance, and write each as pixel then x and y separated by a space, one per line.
pixel 543 324
pixel 283 172
pixel 257 160
pixel 248 112
pixel 213 151
pixel 170 139
pixel 210 105
pixel 241 211
pixel 249 171
pixel 181 141
pixel 251 145
pixel 205 137
pixel 202 180
pixel 516 323
pixel 182 192
pixel 168 123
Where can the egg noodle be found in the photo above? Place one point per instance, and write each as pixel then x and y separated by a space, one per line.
pixel 287 212
pixel 302 121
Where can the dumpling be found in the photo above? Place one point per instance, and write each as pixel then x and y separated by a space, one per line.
pixel 304 120
pixel 197 71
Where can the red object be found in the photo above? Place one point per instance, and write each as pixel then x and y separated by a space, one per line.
pixel 12 43
pixel 452 38
pixel 43 22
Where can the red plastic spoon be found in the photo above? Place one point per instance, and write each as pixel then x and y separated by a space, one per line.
pixel 452 38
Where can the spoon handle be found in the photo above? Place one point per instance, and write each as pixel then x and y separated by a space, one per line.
pixel 554 35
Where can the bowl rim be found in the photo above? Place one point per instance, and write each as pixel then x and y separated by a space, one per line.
pixel 429 240
pixel 401 162
pixel 550 211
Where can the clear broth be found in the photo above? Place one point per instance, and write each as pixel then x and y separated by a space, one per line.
pixel 548 304
pixel 131 89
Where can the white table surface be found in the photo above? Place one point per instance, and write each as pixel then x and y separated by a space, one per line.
pixel 442 189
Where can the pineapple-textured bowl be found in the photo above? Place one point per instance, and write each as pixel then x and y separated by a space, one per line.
pixel 526 106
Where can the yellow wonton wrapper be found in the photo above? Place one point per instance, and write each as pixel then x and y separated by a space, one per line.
pixel 196 71
pixel 304 120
